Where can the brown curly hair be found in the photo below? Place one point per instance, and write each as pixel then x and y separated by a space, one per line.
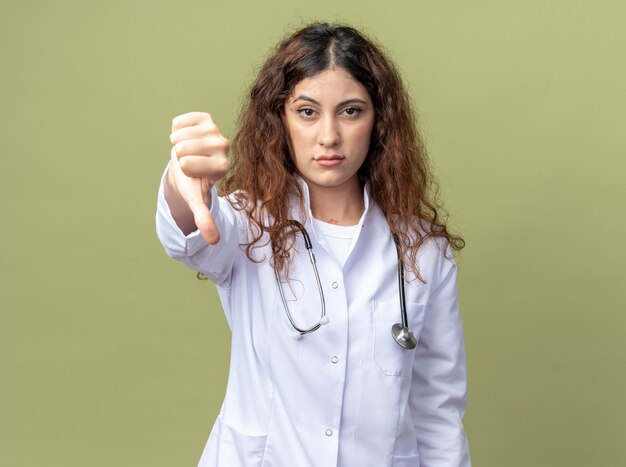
pixel 263 179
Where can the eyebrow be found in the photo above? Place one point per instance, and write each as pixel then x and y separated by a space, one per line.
pixel 353 100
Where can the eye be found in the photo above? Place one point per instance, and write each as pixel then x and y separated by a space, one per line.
pixel 352 111
pixel 306 112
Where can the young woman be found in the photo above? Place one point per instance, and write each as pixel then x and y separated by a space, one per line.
pixel 332 262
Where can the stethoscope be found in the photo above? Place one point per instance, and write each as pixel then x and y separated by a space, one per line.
pixel 401 332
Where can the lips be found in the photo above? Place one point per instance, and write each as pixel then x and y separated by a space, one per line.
pixel 329 161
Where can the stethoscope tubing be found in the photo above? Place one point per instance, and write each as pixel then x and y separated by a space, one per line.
pixel 405 319
pixel 309 248
pixel 401 332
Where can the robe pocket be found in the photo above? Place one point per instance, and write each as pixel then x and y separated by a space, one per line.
pixel 393 359
pixel 233 448
pixel 406 461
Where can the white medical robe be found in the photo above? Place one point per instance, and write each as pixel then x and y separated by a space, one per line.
pixel 346 395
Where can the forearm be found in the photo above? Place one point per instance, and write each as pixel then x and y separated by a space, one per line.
pixel 214 261
pixel 183 216
pixel 439 381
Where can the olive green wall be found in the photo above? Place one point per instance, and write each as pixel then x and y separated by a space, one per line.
pixel 112 354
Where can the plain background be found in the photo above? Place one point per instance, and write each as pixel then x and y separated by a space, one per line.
pixel 112 354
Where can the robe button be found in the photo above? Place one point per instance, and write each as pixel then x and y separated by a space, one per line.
pixel 329 432
pixel 334 359
pixel 334 285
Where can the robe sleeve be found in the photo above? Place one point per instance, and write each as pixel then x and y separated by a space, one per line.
pixel 214 261
pixel 439 380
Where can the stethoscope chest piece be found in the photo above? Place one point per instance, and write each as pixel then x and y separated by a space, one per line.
pixel 403 336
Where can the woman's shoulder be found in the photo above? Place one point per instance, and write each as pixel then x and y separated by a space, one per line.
pixel 250 217
pixel 436 261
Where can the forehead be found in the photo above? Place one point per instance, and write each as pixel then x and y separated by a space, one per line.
pixel 329 84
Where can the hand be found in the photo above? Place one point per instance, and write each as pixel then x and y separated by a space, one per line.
pixel 198 161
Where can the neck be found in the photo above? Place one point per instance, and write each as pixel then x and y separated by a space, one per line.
pixel 342 205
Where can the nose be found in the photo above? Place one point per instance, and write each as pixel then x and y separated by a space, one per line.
pixel 328 135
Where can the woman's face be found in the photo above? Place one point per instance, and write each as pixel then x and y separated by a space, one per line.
pixel 329 119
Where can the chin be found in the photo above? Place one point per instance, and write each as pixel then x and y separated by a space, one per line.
pixel 329 180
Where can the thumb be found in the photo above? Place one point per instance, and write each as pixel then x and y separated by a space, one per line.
pixel 204 220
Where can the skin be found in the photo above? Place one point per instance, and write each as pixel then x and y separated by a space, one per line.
pixel 328 116
pixel 198 160
pixel 329 119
